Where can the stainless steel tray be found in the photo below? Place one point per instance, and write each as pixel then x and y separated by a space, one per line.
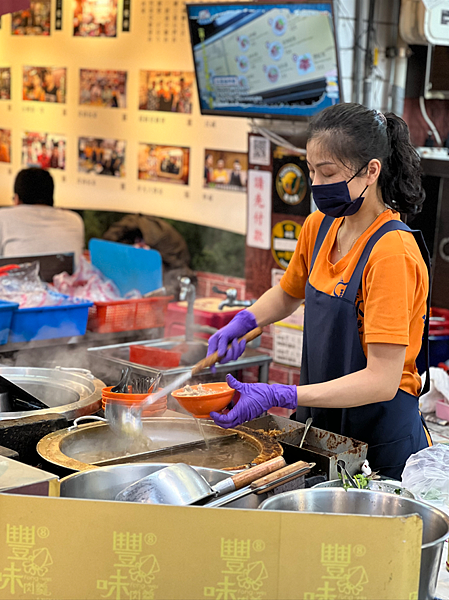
pixel 322 447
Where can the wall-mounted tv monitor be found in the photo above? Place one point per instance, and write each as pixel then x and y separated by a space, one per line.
pixel 264 60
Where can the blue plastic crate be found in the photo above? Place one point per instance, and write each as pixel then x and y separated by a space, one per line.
pixel 6 312
pixel 47 322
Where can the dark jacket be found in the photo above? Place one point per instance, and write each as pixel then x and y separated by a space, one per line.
pixel 158 235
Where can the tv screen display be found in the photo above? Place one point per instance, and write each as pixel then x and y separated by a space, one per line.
pixel 264 60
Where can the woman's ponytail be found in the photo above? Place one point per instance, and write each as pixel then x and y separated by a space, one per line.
pixel 355 135
pixel 400 177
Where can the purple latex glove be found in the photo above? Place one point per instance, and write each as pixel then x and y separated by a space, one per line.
pixel 243 322
pixel 255 398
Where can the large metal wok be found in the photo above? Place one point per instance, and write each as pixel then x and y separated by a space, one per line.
pixel 87 446
pixel 67 392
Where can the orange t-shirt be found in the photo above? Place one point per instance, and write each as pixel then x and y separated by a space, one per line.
pixel 391 305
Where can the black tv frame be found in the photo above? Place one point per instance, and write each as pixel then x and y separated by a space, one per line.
pixel 261 115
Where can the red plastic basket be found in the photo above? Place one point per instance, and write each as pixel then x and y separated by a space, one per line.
pixel 127 315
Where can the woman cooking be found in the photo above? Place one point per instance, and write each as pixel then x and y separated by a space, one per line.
pixel 364 276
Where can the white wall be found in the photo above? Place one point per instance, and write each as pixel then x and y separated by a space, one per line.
pixel 133 51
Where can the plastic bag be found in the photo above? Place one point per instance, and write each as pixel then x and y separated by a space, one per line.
pixel 24 286
pixel 439 389
pixel 426 474
pixel 88 283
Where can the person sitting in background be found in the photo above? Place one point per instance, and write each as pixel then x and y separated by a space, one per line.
pixel 152 232
pixel 34 225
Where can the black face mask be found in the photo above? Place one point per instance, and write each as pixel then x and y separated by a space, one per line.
pixel 333 199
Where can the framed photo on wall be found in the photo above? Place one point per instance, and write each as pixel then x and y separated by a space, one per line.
pixel 168 91
pixel 45 150
pixel 166 164
pixel 102 88
pixel 95 18
pixel 5 83
pixel 225 170
pixel 32 21
pixel 5 145
pixel 101 156
pixel 44 84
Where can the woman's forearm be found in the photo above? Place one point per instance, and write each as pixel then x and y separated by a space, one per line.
pixel 356 389
pixel 273 306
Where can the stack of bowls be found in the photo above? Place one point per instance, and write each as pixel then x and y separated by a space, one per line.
pixel 154 410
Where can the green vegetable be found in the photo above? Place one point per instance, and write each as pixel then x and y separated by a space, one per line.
pixel 362 481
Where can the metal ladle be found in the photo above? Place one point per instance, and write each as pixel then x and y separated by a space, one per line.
pixel 126 420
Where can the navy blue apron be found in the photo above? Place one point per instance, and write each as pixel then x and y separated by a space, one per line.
pixel 332 348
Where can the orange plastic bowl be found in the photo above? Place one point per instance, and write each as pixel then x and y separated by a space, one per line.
pixel 106 394
pixel 154 410
pixel 149 412
pixel 201 406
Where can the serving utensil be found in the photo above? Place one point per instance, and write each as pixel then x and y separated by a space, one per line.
pixel 306 429
pixel 267 483
pixel 182 485
pixel 122 385
pixel 341 468
pixel 127 420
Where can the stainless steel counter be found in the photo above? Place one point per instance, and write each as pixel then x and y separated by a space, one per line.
pixel 119 354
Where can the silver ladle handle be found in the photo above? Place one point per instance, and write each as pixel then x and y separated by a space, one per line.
pixel 77 421
pixel 152 398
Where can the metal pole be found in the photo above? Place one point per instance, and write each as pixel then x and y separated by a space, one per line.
pixel 367 83
pixel 357 75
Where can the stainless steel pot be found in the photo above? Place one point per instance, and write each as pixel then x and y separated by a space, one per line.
pixel 358 502
pixel 68 392
pixel 106 482
pixel 389 487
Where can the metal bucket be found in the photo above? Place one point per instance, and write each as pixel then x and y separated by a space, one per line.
pixel 106 482
pixel 358 502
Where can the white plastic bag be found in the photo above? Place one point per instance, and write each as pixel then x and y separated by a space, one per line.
pixel 439 389
pixel 87 282
pixel 426 475
pixel 23 285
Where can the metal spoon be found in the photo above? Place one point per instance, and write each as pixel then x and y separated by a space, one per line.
pixel 306 429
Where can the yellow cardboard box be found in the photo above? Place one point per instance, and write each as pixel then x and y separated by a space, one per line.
pixel 84 549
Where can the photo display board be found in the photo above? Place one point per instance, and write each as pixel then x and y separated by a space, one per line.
pixel 103 94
